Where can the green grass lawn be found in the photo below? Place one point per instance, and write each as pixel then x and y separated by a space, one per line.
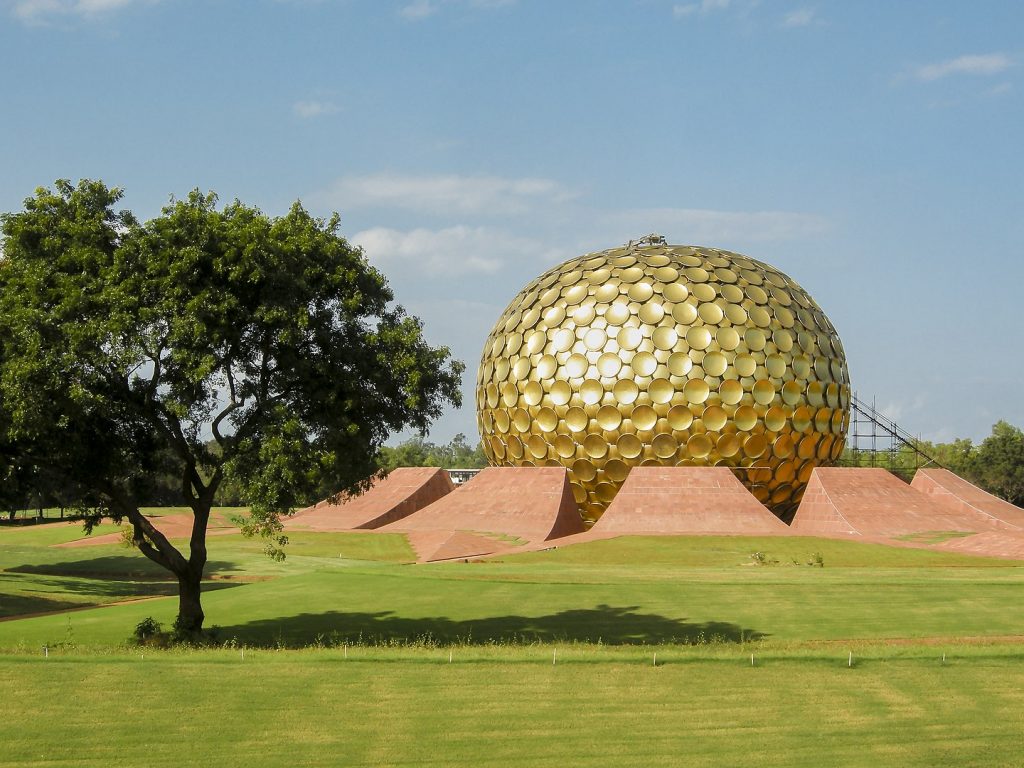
pixel 512 707
pixel 347 649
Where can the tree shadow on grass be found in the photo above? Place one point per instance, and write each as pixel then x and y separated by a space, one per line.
pixel 21 605
pixel 611 625
pixel 32 593
pixel 116 567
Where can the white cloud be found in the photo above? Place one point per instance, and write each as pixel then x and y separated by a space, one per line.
pixel 983 64
pixel 803 17
pixel 38 10
pixel 418 9
pixel 449 194
pixel 697 226
pixel 445 251
pixel 310 109
pixel 704 7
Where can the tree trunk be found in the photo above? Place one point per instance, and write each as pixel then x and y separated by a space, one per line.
pixel 190 609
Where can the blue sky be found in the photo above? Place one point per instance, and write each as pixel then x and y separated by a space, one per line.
pixel 871 150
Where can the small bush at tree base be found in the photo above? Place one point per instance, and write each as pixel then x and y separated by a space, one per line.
pixel 147 631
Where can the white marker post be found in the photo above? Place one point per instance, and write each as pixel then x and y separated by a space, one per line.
pixel 850 662
pixel 554 656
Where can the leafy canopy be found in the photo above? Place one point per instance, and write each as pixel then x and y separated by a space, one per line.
pixel 125 343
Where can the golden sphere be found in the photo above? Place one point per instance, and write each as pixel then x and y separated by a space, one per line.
pixel 668 355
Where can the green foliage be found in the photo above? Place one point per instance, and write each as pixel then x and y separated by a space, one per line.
pixel 125 346
pixel 419 452
pixel 146 629
pixel 998 463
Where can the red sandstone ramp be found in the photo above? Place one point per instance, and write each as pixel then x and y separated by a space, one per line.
pixel 497 509
pixel 686 500
pixel 959 496
pixel 869 501
pixel 404 491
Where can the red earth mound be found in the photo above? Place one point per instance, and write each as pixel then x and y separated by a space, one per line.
pixel 404 491
pixel 500 508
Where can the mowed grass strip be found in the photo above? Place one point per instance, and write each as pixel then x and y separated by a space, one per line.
pixel 502 708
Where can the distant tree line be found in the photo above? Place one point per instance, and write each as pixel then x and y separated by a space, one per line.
pixel 419 452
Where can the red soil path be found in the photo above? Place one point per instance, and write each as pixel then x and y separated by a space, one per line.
pixel 404 491
pixel 171 526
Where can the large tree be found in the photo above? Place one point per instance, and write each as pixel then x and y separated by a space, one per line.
pixel 241 347
pixel 998 462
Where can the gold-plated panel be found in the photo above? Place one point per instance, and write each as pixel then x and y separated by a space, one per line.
pixel 696 391
pixel 616 470
pixel 560 392
pixel 583 470
pixel 684 314
pixel 698 446
pixel 711 314
pixel 565 446
pixel 714 418
pixel 698 337
pixel 576 419
pixel 775 419
pixel 680 417
pixel 703 292
pixel 629 338
pixel 651 313
pixel 715 363
pixel 763 392
pixel 666 337
pixel 661 391
pixel 745 365
pixel 744 418
pixel 629 446
pixel 731 392
pixel 675 291
pixel 547 419
pixel 591 391
pixel 660 354
pixel 644 363
pixel 617 313
pixel 729 445
pixel 644 417
pixel 595 446
pixel 626 391
pixel 727 337
pixel 679 364
pixel 665 446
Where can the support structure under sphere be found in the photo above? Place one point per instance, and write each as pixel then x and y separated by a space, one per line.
pixel 666 355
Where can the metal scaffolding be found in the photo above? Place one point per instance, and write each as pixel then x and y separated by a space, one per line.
pixel 875 440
